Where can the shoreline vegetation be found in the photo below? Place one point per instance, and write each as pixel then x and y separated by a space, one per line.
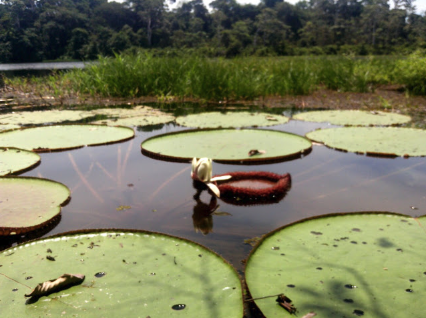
pixel 219 80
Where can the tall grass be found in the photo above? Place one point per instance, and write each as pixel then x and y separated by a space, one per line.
pixel 195 77
pixel 242 78
pixel 412 73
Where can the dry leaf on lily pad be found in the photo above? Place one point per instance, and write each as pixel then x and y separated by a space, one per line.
pixel 52 286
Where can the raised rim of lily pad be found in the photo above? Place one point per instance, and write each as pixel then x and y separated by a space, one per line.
pixel 259 158
pixel 315 269
pixel 168 271
pixel 130 133
pixel 246 195
pixel 21 167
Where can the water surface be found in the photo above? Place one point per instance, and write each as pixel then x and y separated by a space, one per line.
pixel 116 186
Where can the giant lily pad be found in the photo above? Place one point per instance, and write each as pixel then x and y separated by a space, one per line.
pixel 386 141
pixel 27 204
pixel 354 117
pixel 137 116
pixel 227 145
pixel 138 121
pixel 7 127
pixel 49 138
pixel 13 160
pixel 42 117
pixel 127 274
pixel 342 266
pixel 230 119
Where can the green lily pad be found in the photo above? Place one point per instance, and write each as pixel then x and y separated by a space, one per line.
pixel 342 266
pixel 13 160
pixel 7 127
pixel 354 117
pixel 385 141
pixel 48 138
pixel 136 111
pixel 137 121
pixel 231 119
pixel 43 117
pixel 27 203
pixel 127 274
pixel 227 145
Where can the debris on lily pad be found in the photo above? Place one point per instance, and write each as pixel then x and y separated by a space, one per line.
pixel 342 265
pixel 54 285
pixel 153 272
pixel 384 141
pixel 354 117
pixel 227 145
pixel 14 160
pixel 62 137
pixel 28 204
pixel 43 117
pixel 231 120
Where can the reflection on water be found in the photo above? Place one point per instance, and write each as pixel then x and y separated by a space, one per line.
pixel 160 194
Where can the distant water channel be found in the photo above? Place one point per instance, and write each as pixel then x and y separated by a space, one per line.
pixel 25 69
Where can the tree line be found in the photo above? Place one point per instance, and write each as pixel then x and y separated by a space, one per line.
pixel 37 30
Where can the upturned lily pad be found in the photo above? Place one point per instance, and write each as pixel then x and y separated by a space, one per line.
pixel 385 141
pixel 50 138
pixel 354 117
pixel 43 117
pixel 230 119
pixel 13 160
pixel 227 145
pixel 27 204
pixel 339 266
pixel 126 272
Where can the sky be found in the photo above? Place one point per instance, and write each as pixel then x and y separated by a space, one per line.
pixel 420 4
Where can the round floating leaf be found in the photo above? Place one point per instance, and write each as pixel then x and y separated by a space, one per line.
pixel 226 145
pixel 126 272
pixel 137 111
pixel 228 120
pixel 13 160
pixel 7 127
pixel 342 266
pixel 27 204
pixel 386 141
pixel 48 138
pixel 42 117
pixel 138 121
pixel 354 117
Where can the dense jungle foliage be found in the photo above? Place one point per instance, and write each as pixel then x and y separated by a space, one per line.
pixel 36 30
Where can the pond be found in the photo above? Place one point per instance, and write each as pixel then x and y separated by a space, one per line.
pixel 116 186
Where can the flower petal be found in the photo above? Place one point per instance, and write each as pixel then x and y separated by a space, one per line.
pixel 214 189
pixel 221 178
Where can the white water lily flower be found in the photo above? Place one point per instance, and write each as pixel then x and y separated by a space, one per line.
pixel 202 171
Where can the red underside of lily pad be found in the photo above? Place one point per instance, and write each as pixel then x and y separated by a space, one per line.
pixel 254 187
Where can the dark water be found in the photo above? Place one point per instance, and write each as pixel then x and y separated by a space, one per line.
pixel 116 186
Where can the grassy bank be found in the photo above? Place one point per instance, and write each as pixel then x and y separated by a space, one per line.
pixel 244 78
